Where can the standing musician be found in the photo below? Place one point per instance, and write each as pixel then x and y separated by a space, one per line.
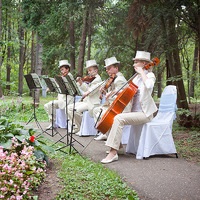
pixel 143 105
pixel 118 80
pixel 60 102
pixel 90 97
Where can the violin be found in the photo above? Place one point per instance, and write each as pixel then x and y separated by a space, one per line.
pixel 107 84
pixel 87 79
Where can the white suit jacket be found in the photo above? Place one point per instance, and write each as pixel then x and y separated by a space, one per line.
pixel 93 97
pixel 146 101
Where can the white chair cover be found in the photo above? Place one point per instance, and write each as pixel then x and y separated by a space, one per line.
pixel 156 137
pixel 125 134
pixel 87 125
pixel 61 120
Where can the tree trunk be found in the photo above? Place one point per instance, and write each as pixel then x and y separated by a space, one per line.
pixel 175 65
pixel 33 52
pixel 72 44
pixel 90 24
pixel 82 45
pixel 38 67
pixel 21 60
pixel 159 83
pixel 194 71
pixel 1 91
pixel 8 67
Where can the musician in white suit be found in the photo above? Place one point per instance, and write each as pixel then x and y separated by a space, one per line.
pixel 60 102
pixel 90 98
pixel 112 68
pixel 143 105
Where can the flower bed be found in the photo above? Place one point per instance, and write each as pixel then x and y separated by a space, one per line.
pixel 23 161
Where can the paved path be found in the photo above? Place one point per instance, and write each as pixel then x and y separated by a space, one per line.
pixel 156 178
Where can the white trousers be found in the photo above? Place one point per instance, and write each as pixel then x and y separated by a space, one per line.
pixel 48 108
pixel 132 118
pixel 80 107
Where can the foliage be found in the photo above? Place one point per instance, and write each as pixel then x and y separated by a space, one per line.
pixel 84 179
pixel 187 118
pixel 10 130
pixel 20 171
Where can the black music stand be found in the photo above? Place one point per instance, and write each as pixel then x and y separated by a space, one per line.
pixel 33 82
pixel 53 87
pixel 68 86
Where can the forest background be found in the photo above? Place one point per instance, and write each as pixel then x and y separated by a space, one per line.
pixel 36 34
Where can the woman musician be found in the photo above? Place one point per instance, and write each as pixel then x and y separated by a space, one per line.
pixel 143 105
pixel 90 98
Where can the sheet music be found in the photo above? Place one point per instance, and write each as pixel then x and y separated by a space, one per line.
pixel 52 85
pixel 65 86
pixel 74 85
pixel 33 81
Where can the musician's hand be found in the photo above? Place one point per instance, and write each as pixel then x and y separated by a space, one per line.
pixel 139 70
pixel 85 94
pixel 107 95
pixel 79 80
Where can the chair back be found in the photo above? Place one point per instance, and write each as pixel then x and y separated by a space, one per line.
pixel 167 107
pixel 168 99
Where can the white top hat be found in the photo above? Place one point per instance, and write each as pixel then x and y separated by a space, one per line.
pixel 143 55
pixel 63 63
pixel 110 61
pixel 91 63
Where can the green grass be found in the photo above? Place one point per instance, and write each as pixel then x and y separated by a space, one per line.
pixel 20 109
pixel 84 179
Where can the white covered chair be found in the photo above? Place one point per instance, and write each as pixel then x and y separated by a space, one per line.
pixel 61 119
pixel 126 133
pixel 87 125
pixel 155 137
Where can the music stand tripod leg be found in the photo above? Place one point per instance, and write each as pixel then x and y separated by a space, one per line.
pixel 67 131
pixel 34 113
pixel 71 139
pixel 52 122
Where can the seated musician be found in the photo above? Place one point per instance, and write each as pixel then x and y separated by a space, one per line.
pixel 143 105
pixel 118 80
pixel 90 97
pixel 60 102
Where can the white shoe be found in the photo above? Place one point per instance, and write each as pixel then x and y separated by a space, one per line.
pixel 49 127
pixel 104 161
pixel 120 151
pixel 78 133
pixel 101 137
pixel 75 130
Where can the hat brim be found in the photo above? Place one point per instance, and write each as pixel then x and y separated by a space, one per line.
pixel 143 59
pixel 91 66
pixel 64 65
pixel 112 64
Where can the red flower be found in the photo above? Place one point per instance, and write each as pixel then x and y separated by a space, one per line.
pixel 32 138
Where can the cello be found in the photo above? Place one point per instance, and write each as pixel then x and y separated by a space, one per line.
pixel 121 101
